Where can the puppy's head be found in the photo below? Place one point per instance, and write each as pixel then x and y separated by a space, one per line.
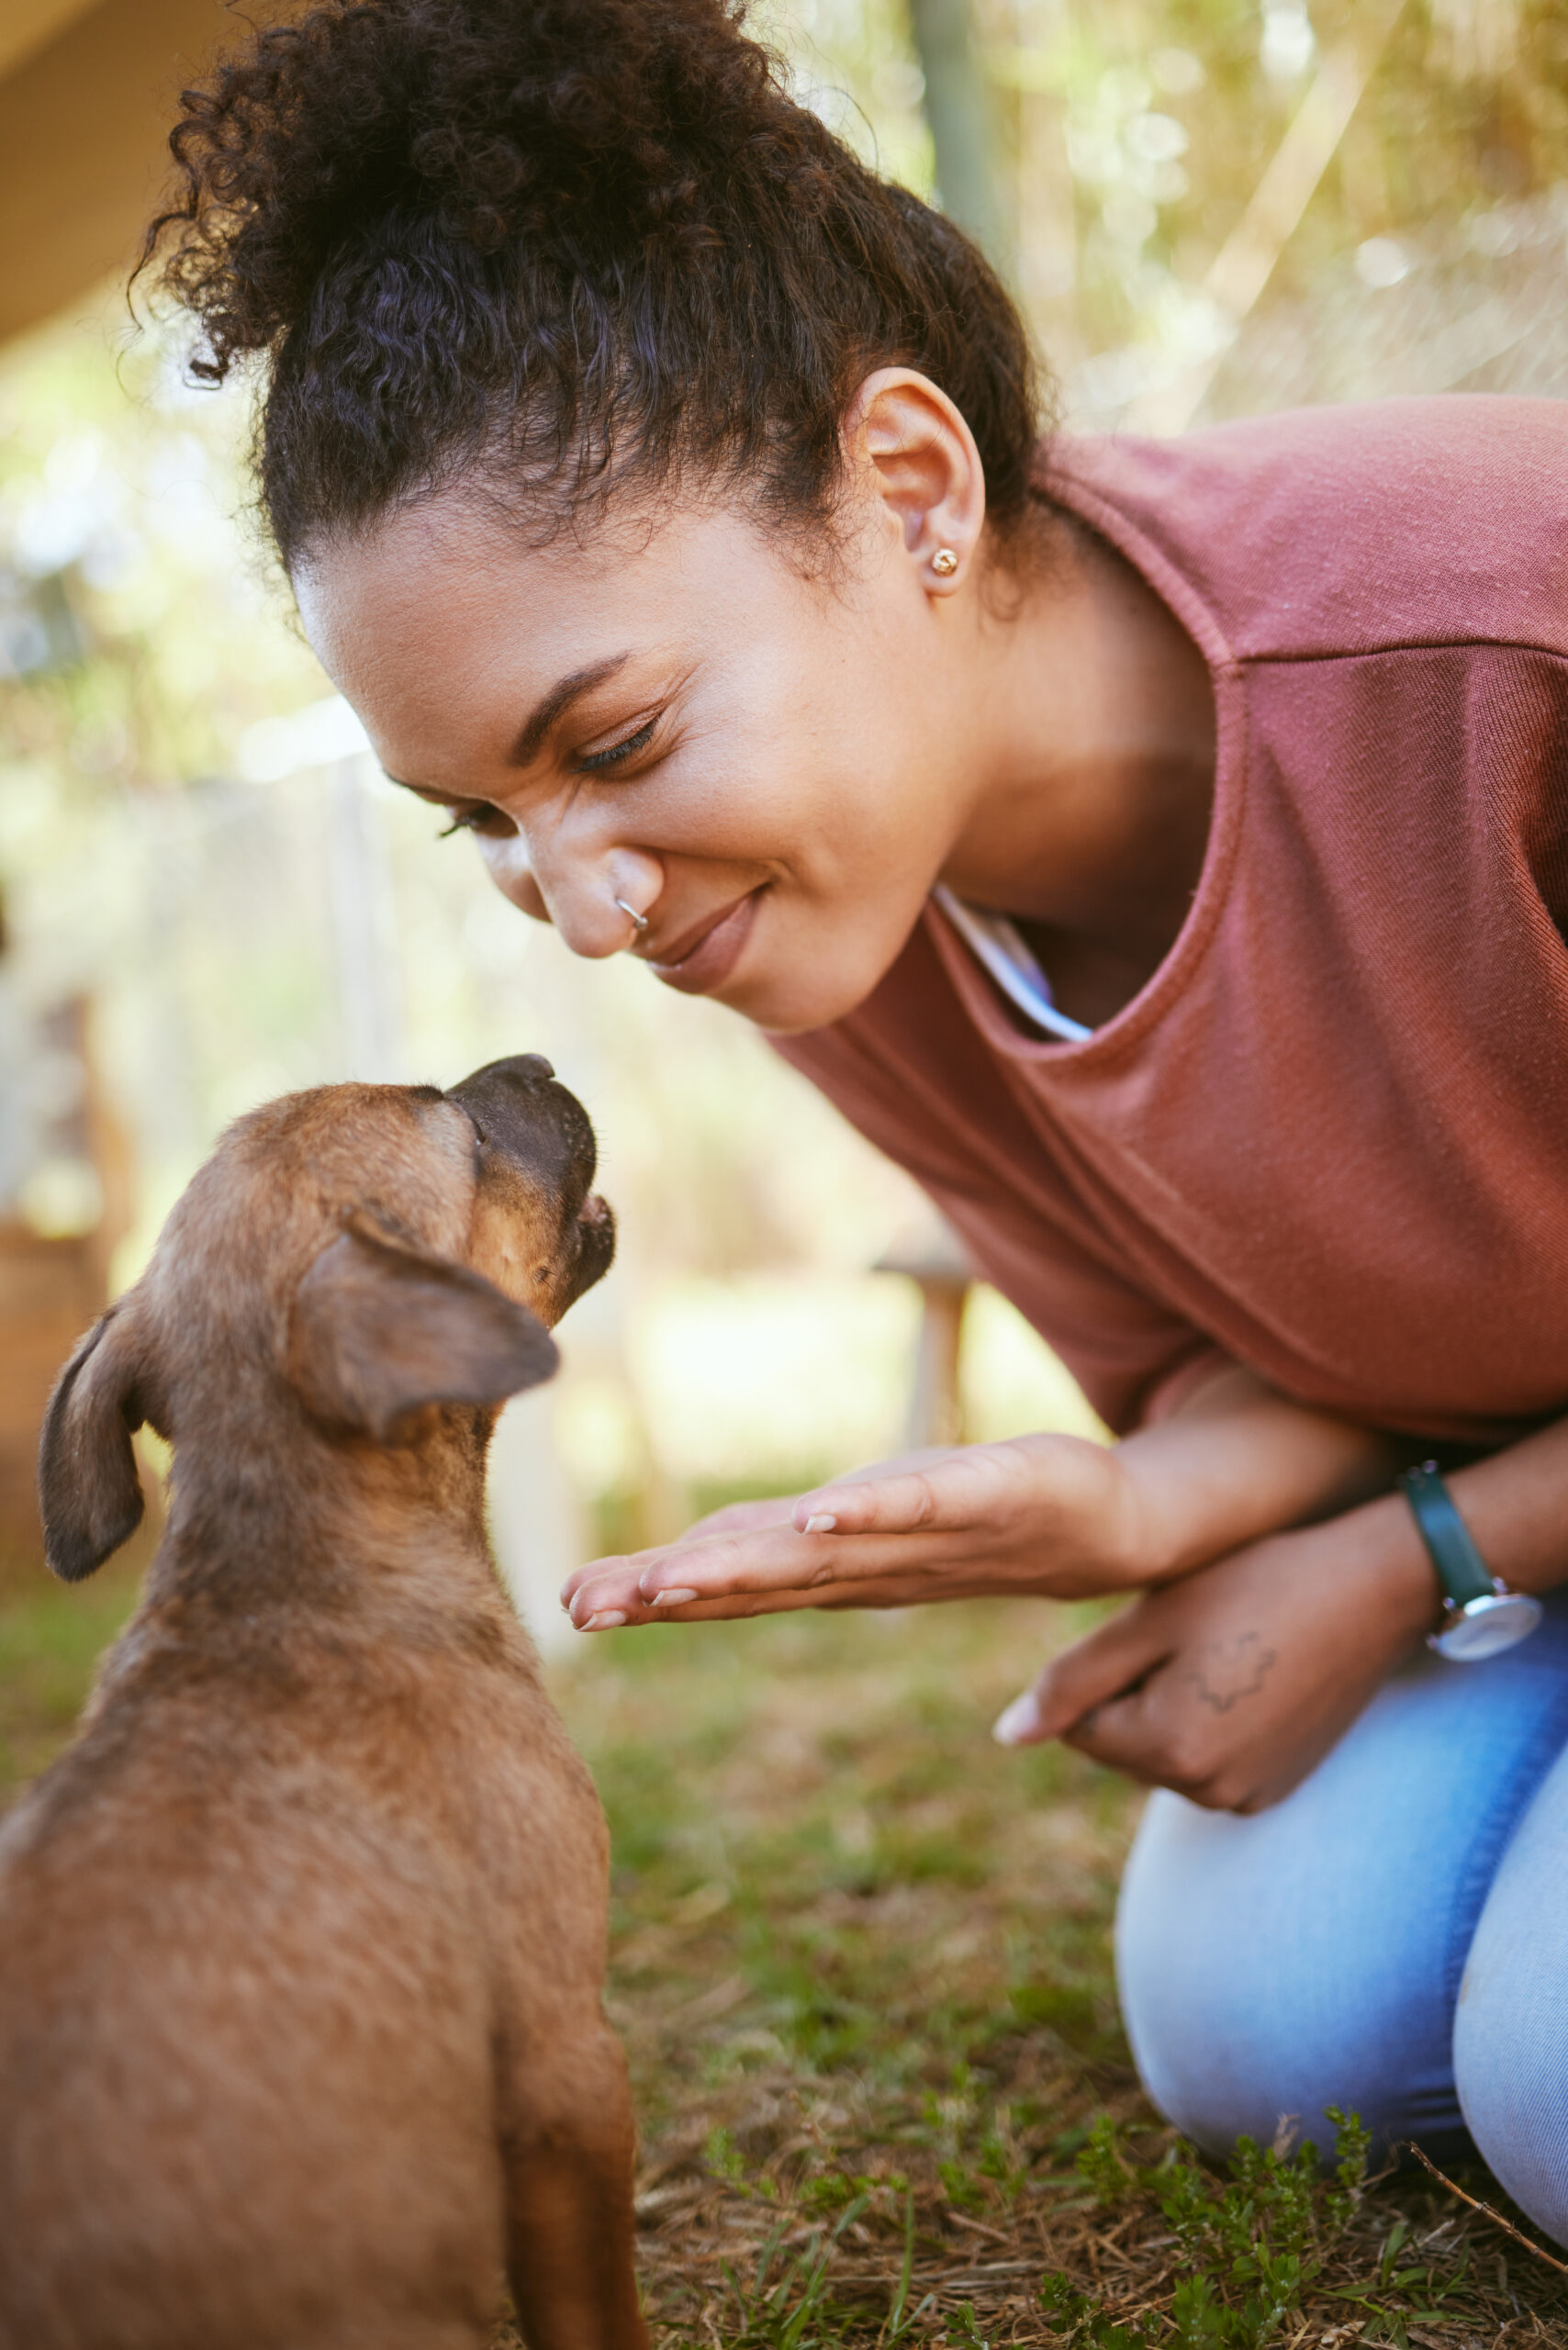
pixel 364 1256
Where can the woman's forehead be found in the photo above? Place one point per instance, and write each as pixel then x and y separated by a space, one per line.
pixel 441 565
pixel 440 592
pixel 455 639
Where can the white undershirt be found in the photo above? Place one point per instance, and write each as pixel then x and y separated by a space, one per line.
pixel 995 942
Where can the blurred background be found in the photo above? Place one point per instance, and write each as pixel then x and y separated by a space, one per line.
pixel 1207 207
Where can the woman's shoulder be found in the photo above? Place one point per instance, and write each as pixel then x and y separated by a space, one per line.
pixel 1324 532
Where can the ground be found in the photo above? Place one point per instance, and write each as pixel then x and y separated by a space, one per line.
pixel 862 1966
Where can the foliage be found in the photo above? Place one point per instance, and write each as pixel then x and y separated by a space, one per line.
pixel 1147 125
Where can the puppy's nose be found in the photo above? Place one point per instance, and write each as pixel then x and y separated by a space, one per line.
pixel 530 1068
pixel 519 1074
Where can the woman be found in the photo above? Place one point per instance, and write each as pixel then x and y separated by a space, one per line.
pixel 1160 849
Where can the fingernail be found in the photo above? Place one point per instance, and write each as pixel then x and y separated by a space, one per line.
pixel 1017 1721
pixel 605 1621
pixel 824 1524
pixel 671 1598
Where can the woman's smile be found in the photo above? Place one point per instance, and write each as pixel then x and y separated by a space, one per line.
pixel 705 957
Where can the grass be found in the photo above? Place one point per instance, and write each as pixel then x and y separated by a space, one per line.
pixel 861 1962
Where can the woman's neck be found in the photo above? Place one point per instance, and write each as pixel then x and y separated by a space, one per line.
pixel 1091 824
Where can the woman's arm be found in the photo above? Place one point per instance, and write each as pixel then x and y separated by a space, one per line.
pixel 1230 1685
pixel 1049 1515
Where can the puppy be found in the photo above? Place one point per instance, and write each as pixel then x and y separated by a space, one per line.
pixel 302 1942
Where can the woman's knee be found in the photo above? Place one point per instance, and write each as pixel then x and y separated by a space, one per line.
pixel 1511 2027
pixel 1259 1987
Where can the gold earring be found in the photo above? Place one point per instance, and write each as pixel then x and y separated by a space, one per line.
pixel 943 563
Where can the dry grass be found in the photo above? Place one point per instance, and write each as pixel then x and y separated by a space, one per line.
pixel 862 1966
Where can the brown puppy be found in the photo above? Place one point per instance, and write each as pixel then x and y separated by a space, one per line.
pixel 301 1944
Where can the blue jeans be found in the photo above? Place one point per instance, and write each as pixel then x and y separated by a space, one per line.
pixel 1393 1938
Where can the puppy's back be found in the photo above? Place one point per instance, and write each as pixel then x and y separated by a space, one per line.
pixel 248 1965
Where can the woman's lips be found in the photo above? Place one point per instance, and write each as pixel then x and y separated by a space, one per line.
pixel 707 963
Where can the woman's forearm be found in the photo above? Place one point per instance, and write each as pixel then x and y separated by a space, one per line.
pixel 1238 1460
pixel 1516 1505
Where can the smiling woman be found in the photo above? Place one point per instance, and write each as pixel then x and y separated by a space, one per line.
pixel 1095 823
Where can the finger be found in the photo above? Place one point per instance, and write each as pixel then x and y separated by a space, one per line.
pixel 608 1606
pixel 903 1505
pixel 604 1595
pixel 616 1611
pixel 940 1493
pixel 614 1582
pixel 589 1572
pixel 739 1606
pixel 742 1518
pixel 1149 1734
pixel 1104 1665
pixel 1120 1734
pixel 773 1558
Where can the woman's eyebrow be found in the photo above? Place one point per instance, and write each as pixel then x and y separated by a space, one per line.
pixel 553 704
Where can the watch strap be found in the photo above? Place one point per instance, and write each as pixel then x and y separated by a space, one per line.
pixel 1459 1565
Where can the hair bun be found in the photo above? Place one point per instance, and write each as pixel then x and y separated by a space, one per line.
pixel 583 227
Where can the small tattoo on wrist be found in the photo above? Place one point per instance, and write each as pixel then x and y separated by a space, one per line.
pixel 1231 1670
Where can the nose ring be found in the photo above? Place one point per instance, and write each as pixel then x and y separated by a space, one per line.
pixel 639 921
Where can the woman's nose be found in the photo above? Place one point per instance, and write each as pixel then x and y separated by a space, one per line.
pixel 589 893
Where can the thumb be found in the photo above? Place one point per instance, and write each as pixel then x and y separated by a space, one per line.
pixel 1106 1663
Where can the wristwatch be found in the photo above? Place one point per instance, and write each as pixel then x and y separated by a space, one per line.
pixel 1480 1616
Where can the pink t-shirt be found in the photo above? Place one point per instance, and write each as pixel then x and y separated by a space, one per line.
pixel 1330 1136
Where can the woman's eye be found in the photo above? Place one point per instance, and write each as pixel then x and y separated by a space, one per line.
pixel 479 818
pixel 589 761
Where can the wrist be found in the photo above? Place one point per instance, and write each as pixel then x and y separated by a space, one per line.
pixel 1380 1545
pixel 1142 1543
pixel 1241 1465
pixel 1079 1519
pixel 1482 1616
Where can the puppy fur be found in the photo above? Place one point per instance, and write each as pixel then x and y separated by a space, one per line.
pixel 302 1942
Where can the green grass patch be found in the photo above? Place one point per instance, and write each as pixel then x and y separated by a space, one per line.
pixel 861 1961
pixel 51 1639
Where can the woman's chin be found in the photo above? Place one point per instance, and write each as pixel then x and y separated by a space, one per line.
pixel 792 1003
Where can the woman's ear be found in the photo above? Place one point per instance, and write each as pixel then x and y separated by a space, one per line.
pixel 377 1330
pixel 908 446
pixel 89 1492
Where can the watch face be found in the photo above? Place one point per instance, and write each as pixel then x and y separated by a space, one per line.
pixel 1486 1626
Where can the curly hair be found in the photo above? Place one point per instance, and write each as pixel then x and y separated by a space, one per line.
pixel 559 245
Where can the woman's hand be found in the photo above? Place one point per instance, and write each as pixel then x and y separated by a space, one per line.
pixel 1230 1684
pixel 1042 1514
pixel 1048 1514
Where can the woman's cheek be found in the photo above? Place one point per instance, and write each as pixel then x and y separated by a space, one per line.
pixel 506 861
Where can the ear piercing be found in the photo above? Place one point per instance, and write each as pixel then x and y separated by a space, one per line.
pixel 943 563
pixel 639 921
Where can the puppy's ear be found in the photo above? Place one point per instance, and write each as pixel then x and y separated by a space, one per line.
pixel 377 1330
pixel 89 1493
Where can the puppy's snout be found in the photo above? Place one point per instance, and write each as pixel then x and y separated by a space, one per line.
pixel 521 1110
pixel 523 1115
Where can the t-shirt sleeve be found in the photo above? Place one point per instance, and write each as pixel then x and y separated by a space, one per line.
pixel 963 1142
